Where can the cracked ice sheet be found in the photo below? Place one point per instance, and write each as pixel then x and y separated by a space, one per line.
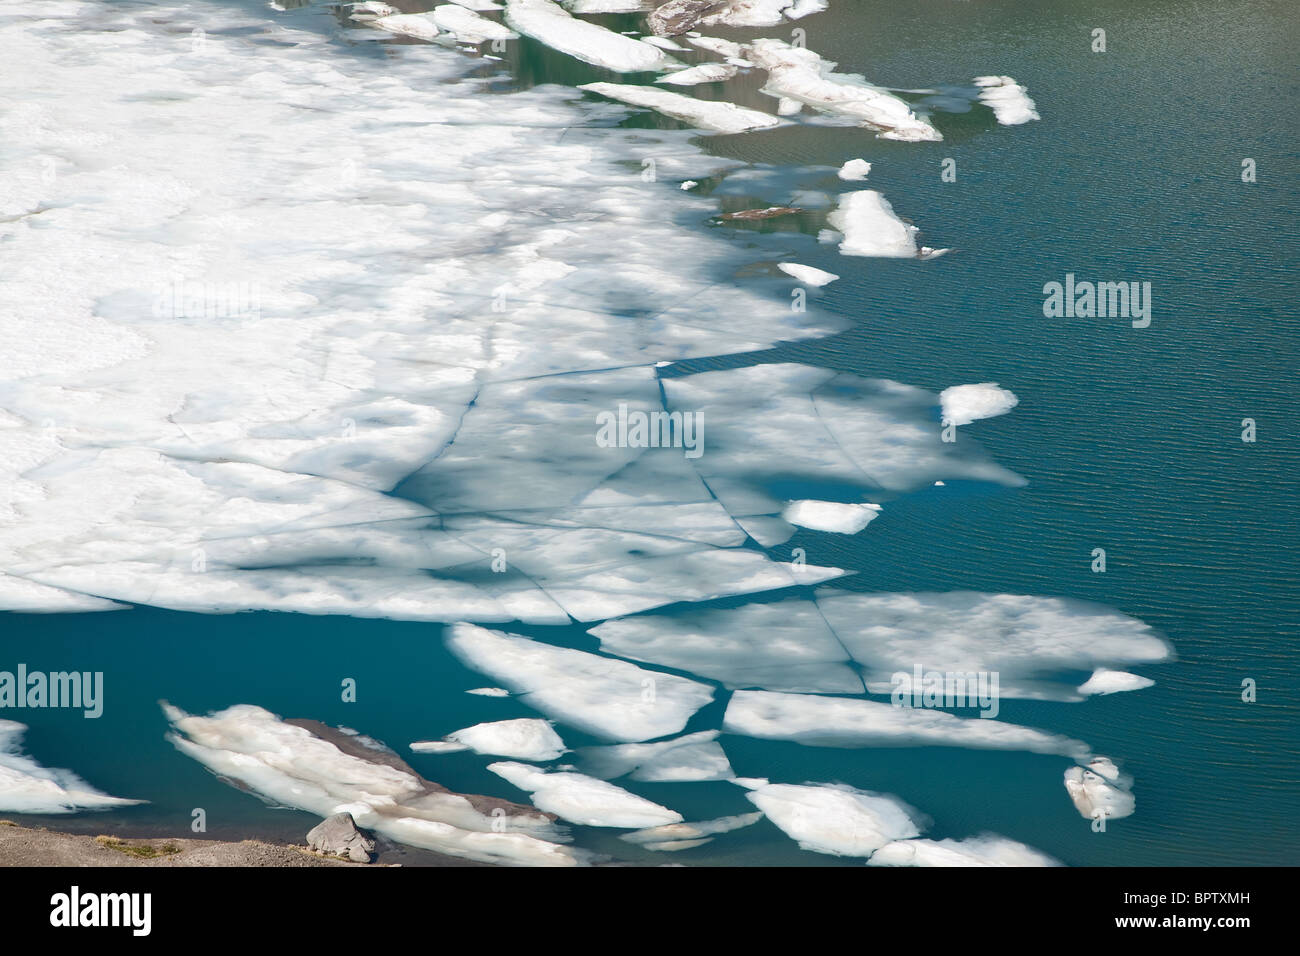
pixel 599 695
pixel 358 350
pixel 692 757
pixel 585 800
pixel 27 787
pixel 292 766
pixel 854 722
pixel 806 646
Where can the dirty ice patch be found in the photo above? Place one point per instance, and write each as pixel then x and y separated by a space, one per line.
pixel 291 765
pixel 853 722
pixel 525 738
pixel 693 757
pixel 713 115
pixel 834 818
pixel 1009 100
pixel 963 404
pixel 609 698
pixel 585 800
pixel 987 850
pixel 27 787
pixel 550 24
pixel 797 73
pixel 685 836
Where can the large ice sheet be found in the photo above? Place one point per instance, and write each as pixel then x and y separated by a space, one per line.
pixel 27 787
pixel 600 695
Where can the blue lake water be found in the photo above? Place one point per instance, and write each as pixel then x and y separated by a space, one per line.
pixel 1130 440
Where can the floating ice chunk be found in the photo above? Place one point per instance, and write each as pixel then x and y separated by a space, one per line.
pixel 681 836
pixel 549 23
pixel 468 26
pixel 438 747
pixel 478 4
pixel 849 722
pixel 835 516
pixel 371 9
pixel 871 227
pixel 421 26
pixel 692 757
pixel 835 819
pixel 808 275
pixel 788 107
pixel 676 17
pixel 489 692
pixel 986 850
pixel 785 646
pixel 27 787
pixel 664 43
pixel 963 404
pixel 855 169
pixel 607 6
pixel 712 115
pixel 1009 100
pixel 800 74
pixel 727 48
pixel 525 738
pixel 609 698
pixel 585 800
pixel 325 771
pixel 1104 681
pixel 1096 796
pixel 688 184
pixel 704 73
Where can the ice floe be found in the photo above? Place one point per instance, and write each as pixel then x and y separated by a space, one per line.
pixel 837 516
pixel 695 757
pixel 871 227
pixel 27 787
pixel 602 696
pixel 713 115
pixel 525 738
pixel 686 836
pixel 854 722
pixel 549 23
pixel 834 818
pixel 1105 681
pixel 854 169
pixel 963 404
pixel 585 800
pixel 808 275
pixel 704 73
pixel 798 73
pixel 1099 791
pixel 421 26
pixel 468 26
pixel 324 771
pixel 1009 100
pixel 986 850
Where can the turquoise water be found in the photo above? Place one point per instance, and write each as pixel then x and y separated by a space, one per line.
pixel 1130 440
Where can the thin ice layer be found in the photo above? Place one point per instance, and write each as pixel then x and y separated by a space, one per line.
pixel 27 787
